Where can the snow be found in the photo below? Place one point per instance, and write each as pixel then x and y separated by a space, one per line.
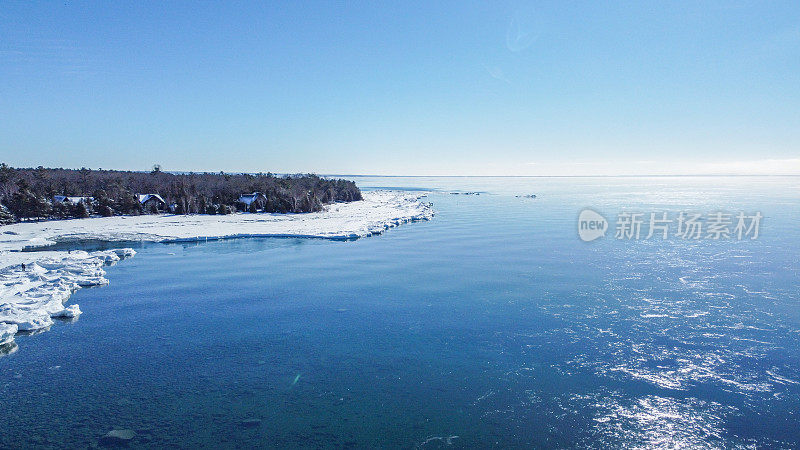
pixel 378 211
pixel 143 198
pixel 30 298
pixel 74 200
pixel 248 199
pixel 7 332
pixel 70 312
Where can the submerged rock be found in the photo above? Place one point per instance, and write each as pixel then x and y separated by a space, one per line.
pixel 250 423
pixel 117 438
pixel 7 349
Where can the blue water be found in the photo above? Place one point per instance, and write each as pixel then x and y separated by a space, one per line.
pixel 492 325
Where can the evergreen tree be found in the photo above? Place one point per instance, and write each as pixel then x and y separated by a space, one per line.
pixel 80 211
pixel 105 211
pixel 129 204
pixel 5 216
pixel 24 204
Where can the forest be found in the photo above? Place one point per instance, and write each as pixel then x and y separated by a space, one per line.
pixel 37 193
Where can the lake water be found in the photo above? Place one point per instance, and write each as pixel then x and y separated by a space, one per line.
pixel 493 325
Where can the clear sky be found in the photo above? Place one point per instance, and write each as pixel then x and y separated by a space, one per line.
pixel 427 88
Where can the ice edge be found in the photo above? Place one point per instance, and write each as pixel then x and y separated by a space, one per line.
pixel 30 298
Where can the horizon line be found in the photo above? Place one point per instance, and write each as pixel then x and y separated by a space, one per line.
pixel 643 175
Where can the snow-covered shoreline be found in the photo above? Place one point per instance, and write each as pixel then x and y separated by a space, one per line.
pixel 31 297
pixel 378 211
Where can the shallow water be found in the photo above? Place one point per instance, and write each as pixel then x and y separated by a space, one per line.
pixel 492 325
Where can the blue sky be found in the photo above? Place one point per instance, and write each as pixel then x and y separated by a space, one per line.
pixel 428 88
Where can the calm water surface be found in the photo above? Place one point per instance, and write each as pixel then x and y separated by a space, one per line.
pixel 492 325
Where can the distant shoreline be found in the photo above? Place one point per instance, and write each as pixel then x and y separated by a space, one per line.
pixel 46 193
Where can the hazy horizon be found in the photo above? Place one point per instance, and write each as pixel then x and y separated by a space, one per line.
pixel 367 175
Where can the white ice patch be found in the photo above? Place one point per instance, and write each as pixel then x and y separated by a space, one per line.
pixel 70 312
pixel 7 332
pixel 31 297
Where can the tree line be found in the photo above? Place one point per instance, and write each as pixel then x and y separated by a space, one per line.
pixel 29 193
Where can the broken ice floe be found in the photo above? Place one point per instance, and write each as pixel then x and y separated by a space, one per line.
pixel 32 296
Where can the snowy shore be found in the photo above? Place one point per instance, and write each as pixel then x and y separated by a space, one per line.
pixel 30 298
pixel 378 211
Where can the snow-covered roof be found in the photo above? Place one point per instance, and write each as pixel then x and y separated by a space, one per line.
pixel 247 199
pixel 143 198
pixel 66 198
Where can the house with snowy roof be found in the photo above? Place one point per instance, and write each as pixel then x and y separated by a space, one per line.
pixel 73 200
pixel 151 201
pixel 256 201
